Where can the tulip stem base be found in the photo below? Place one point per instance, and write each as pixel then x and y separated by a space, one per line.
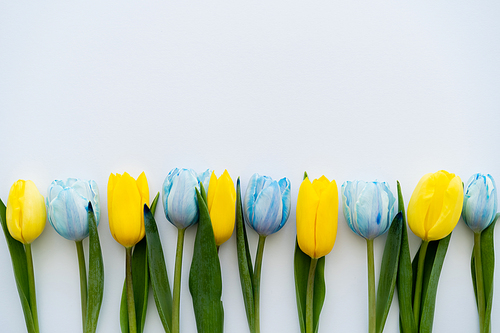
pixel 479 280
pixel 177 282
pixel 256 282
pixel 418 285
pixel 310 296
pixel 372 317
pixel 83 280
pixel 132 322
pixel 31 282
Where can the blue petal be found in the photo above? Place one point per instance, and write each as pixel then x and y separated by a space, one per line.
pixel 68 215
pixel 204 178
pixel 249 199
pixel 268 210
pixel 181 200
pixel 285 188
pixel 480 202
pixel 167 185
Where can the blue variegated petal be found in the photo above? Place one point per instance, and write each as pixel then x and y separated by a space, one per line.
pixel 68 215
pixel 249 199
pixel 268 210
pixel 480 202
pixel 285 189
pixel 181 200
pixel 167 185
pixel 204 178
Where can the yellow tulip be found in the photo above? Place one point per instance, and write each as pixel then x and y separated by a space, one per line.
pixel 221 201
pixel 317 216
pixel 25 211
pixel 126 199
pixel 435 205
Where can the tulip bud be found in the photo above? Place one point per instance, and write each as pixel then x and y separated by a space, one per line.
pixel 317 216
pixel 126 200
pixel 221 202
pixel 480 202
pixel 435 205
pixel 67 207
pixel 368 207
pixel 179 196
pixel 25 212
pixel 266 205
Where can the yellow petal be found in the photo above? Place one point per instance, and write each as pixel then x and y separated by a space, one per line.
pixel 223 209
pixel 450 212
pixel 127 212
pixel 142 185
pixel 320 184
pixel 211 191
pixel 14 211
pixel 307 205
pixel 327 220
pixel 419 203
pixel 112 180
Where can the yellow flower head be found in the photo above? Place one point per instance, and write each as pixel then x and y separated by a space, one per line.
pixel 126 199
pixel 221 202
pixel 317 216
pixel 435 205
pixel 25 212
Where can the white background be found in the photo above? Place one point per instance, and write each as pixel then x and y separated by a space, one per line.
pixel 353 90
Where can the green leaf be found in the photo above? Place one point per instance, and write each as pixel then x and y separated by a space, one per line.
pixel 404 279
pixel 434 260
pixel 244 261
pixel 488 263
pixel 388 271
pixel 96 275
pixel 205 280
pixel 302 262
pixel 140 281
pixel 158 270
pixel 18 257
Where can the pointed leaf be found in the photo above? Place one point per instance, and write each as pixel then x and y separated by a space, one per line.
pixel 433 264
pixel 388 271
pixel 244 261
pixel 96 275
pixel 158 271
pixel 319 292
pixel 205 280
pixel 404 279
pixel 18 257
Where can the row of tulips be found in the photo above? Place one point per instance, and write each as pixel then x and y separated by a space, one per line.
pixel 73 209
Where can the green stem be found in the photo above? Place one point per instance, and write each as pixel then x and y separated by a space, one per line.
pixel 310 296
pixel 479 280
pixel 256 282
pixel 132 323
pixel 371 287
pixel 177 282
pixel 32 290
pixel 83 281
pixel 418 285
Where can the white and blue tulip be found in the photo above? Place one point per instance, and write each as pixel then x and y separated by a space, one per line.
pixel 368 207
pixel 480 202
pixel 267 203
pixel 67 207
pixel 179 196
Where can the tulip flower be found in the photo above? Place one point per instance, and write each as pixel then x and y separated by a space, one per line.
pixel 433 212
pixel 180 204
pixel 266 207
pixel 317 216
pixel 126 200
pixel 67 204
pixel 368 210
pixel 221 202
pixel 26 215
pixel 435 205
pixel 267 204
pixel 479 210
pixel 25 212
pixel 368 207
pixel 67 209
pixel 480 202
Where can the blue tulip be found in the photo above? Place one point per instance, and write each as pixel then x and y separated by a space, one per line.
pixel 179 196
pixel 480 202
pixel 67 203
pixel 368 207
pixel 267 203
